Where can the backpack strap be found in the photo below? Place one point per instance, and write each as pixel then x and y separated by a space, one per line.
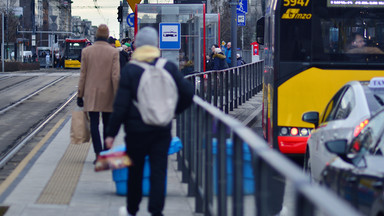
pixel 143 65
pixel 161 62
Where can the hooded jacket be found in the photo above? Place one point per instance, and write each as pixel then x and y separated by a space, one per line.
pixel 125 112
pixel 219 62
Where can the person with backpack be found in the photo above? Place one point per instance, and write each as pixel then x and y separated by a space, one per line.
pixel 150 93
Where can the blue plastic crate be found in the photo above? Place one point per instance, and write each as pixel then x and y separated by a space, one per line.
pixel 120 176
pixel 248 177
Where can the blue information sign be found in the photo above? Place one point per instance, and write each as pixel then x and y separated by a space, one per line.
pixel 240 19
pixel 242 7
pixel 131 20
pixel 170 36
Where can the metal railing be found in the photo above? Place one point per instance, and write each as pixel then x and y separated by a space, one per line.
pixel 227 89
pixel 230 170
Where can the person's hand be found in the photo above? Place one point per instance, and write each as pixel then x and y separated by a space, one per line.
pixel 80 102
pixel 109 142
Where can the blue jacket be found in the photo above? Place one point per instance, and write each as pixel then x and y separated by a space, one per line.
pixel 228 54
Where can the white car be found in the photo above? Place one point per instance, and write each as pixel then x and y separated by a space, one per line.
pixel 343 118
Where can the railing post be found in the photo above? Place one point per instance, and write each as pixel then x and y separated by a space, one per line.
pixel 221 78
pixel 192 153
pixel 231 89
pixel 238 176
pixel 236 86
pixel 199 204
pixel 209 87
pixel 221 149
pixel 208 189
pixel 215 88
pixel 226 89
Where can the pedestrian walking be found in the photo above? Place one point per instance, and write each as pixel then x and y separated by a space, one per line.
pixel 144 139
pixel 209 65
pixel 98 83
pixel 124 56
pixel 240 60
pixel 219 60
pixel 228 54
pixel 47 60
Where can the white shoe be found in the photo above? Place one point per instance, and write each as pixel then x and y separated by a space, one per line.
pixel 123 211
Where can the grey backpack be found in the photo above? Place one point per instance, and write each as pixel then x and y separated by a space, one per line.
pixel 157 94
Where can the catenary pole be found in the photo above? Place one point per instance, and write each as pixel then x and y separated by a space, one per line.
pixel 2 42
pixel 233 4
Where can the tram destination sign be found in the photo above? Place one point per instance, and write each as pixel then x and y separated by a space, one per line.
pixel 356 3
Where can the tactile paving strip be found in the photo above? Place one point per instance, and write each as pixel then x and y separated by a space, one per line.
pixel 63 182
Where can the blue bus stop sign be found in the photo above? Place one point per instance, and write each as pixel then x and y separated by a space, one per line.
pixel 170 36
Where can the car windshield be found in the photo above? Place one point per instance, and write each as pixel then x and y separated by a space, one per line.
pixel 375 97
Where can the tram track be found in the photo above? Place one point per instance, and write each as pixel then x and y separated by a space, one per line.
pixel 29 112
pixel 16 84
pixel 14 104
pixel 6 156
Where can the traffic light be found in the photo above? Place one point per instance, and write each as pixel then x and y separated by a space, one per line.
pixel 120 13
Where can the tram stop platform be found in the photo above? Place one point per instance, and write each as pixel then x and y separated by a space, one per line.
pixel 58 178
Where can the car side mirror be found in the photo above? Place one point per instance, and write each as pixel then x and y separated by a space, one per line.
pixel 311 117
pixel 260 31
pixel 338 147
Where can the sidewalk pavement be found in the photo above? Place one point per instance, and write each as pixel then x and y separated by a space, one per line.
pixel 59 179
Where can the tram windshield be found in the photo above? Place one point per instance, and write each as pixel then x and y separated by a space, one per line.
pixel 338 34
pixel 73 49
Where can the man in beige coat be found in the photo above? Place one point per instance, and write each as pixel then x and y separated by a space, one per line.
pixel 98 82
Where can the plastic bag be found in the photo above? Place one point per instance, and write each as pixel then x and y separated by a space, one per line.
pixel 80 132
pixel 115 158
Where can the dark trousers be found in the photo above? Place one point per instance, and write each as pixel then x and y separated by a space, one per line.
pixel 95 133
pixel 156 145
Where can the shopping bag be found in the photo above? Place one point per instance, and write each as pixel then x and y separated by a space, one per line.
pixel 115 158
pixel 80 132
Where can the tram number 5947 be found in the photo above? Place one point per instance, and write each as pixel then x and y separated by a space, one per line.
pixel 292 3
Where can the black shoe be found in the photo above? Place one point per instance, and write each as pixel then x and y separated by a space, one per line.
pixel 97 155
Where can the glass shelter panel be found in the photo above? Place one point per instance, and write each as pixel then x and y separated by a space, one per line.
pixel 190 56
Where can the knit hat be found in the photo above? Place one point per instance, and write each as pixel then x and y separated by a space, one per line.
pixel 117 43
pixel 147 36
pixel 102 31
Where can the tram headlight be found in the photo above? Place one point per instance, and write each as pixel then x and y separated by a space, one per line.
pixel 284 131
pixel 304 132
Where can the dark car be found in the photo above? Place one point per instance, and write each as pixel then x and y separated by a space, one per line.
pixel 357 174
